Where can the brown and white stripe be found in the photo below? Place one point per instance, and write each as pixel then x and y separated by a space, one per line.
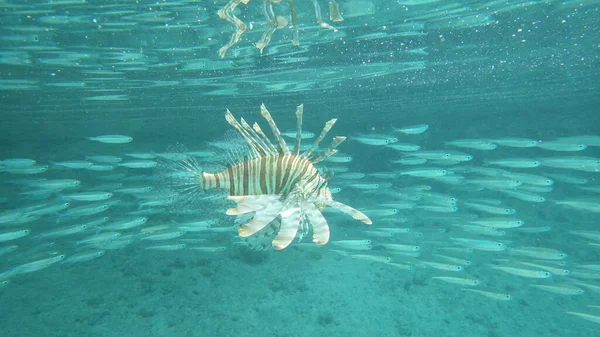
pixel 273 174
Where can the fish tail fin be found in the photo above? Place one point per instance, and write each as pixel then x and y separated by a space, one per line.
pixel 183 179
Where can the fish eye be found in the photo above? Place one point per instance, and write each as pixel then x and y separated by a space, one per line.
pixel 67 204
pixel 459 268
pixel 26 231
pixel 61 256
pixel 508 297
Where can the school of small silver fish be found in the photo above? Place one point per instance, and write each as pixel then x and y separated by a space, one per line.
pixel 168 53
pixel 467 204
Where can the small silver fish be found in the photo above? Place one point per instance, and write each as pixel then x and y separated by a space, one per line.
pixel 489 294
pixel 139 164
pixel 8 236
pixel 88 196
pixel 105 159
pixel 17 162
pixel 37 265
pixel 111 139
pixel 73 164
pixel 413 129
pixel 82 257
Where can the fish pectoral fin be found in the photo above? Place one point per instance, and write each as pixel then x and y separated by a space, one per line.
pixel 262 217
pixel 290 222
pixel 355 214
pixel 250 203
pixel 319 225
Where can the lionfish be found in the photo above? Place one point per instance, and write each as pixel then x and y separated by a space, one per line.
pixel 280 190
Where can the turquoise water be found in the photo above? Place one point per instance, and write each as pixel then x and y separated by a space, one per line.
pixel 475 70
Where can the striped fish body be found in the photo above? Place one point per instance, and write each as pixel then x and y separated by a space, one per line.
pixel 278 188
pixel 272 174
